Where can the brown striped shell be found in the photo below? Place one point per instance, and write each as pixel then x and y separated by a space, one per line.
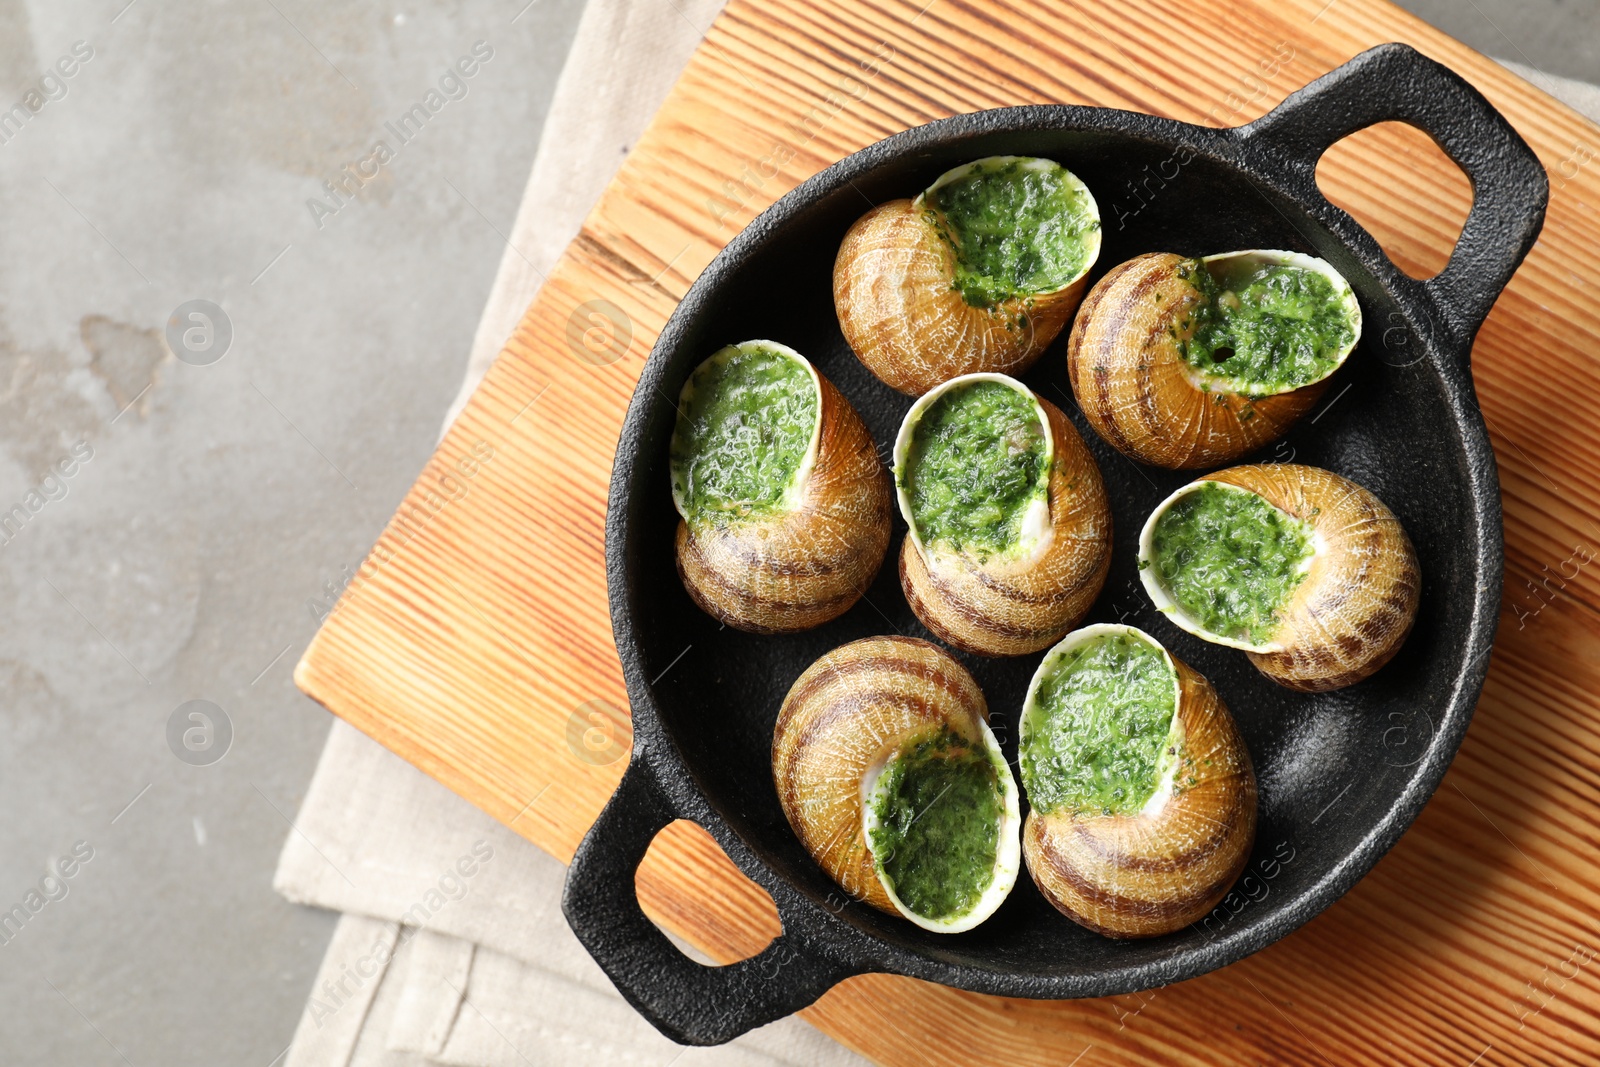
pixel 1357 603
pixel 899 310
pixel 1165 866
pixel 797 569
pixel 1137 391
pixel 1017 606
pixel 844 717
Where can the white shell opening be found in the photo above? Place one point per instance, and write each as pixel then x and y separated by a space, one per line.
pixel 991 163
pixel 1278 257
pixel 795 491
pixel 1166 769
pixel 1163 601
pixel 1036 531
pixel 1008 850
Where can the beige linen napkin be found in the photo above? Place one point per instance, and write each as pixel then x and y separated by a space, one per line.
pixel 427 881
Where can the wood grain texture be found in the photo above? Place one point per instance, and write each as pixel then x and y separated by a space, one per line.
pixel 474 636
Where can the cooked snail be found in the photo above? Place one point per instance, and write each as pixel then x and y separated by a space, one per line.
pixel 1142 797
pixel 784 501
pixel 1194 362
pixel 979 273
pixel 887 771
pixel 1306 571
pixel 1010 533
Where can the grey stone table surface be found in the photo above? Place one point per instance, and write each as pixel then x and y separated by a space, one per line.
pixel 209 506
pixel 170 529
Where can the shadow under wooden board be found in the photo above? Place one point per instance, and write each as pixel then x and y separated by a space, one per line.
pixel 476 643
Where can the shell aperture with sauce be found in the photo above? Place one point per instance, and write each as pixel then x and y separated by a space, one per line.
pixel 1182 362
pixel 1304 570
pixel 1141 790
pixel 887 771
pixel 783 500
pixel 1010 529
pixel 978 273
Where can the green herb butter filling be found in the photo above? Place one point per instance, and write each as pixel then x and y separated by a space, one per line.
pixel 937 807
pixel 1018 227
pixel 977 460
pixel 1097 731
pixel 1230 560
pixel 745 424
pixel 1266 328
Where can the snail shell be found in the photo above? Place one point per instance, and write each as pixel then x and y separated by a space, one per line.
pixel 1139 393
pixel 1012 605
pixel 1356 604
pixel 894 288
pixel 813 557
pixel 849 714
pixel 1165 865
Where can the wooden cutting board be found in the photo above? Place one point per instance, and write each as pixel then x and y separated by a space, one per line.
pixel 476 643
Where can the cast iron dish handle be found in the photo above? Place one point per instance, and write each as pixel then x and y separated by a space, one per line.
pixel 1396 82
pixel 691 1003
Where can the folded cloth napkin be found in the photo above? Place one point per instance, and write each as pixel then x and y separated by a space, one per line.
pixel 426 881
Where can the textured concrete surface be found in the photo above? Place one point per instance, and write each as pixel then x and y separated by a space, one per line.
pixel 182 520
pixel 1560 37
pixel 180 560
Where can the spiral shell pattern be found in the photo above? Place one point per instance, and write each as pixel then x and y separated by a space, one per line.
pixel 892 289
pixel 1012 608
pixel 1357 604
pixel 848 713
pixel 1135 388
pixel 1159 869
pixel 801 568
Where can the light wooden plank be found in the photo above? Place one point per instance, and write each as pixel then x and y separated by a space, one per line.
pixel 479 627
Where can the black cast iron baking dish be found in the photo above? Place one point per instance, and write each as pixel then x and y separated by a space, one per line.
pixel 1342 774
